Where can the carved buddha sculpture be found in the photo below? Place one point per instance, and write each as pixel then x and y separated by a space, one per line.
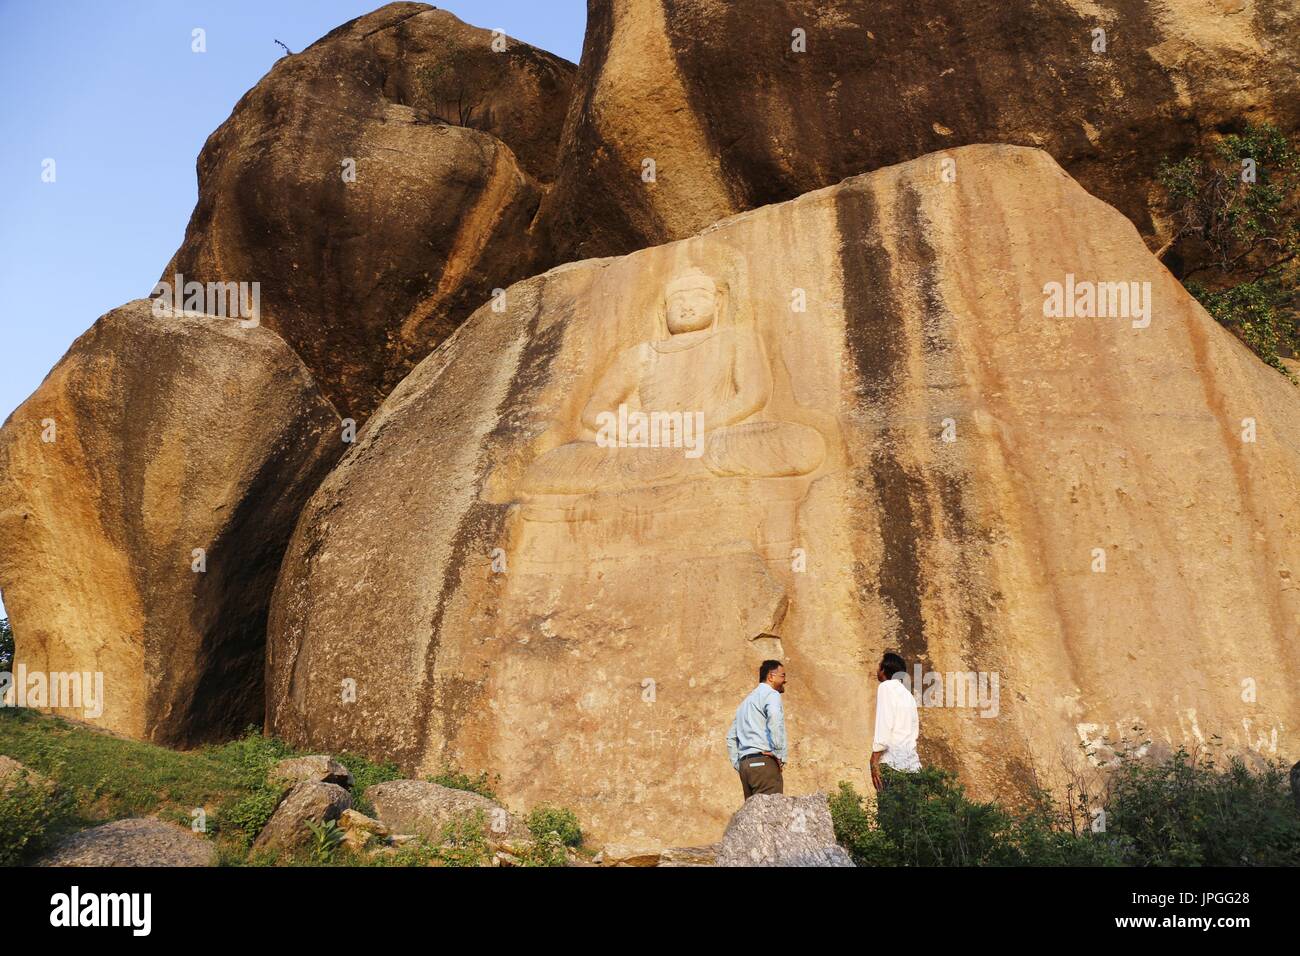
pixel 700 368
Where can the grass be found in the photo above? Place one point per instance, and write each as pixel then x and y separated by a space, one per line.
pixel 99 777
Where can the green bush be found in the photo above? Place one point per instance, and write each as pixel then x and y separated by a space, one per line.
pixel 325 839
pixel 483 784
pixel 464 841
pixel 244 817
pixel 563 823
pixel 857 831
pixel 29 812
pixel 1186 811
pixel 1236 241
pixel 1180 811
pixel 926 819
pixel 6 644
pixel 547 850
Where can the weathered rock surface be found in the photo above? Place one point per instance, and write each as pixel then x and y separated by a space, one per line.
pixel 774 829
pixel 617 854
pixel 579 619
pixel 734 118
pixel 151 438
pixel 312 802
pixel 320 768
pixel 451 143
pixel 621 854
pixel 361 831
pixel 140 841
pixel 424 808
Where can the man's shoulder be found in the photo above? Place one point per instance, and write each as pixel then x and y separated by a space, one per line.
pixel 896 688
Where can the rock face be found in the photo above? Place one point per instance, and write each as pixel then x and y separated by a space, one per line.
pixel 312 802
pixel 451 143
pixel 140 841
pixel 735 118
pixel 773 829
pixel 151 439
pixel 423 808
pixel 900 451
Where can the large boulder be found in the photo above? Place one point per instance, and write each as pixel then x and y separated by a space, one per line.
pixel 773 829
pixel 139 841
pixel 311 802
pixel 147 491
pixel 424 808
pixel 451 142
pixel 734 117
pixel 1091 517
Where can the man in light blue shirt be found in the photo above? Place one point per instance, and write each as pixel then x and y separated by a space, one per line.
pixel 756 743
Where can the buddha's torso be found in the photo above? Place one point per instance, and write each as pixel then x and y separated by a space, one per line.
pixel 688 375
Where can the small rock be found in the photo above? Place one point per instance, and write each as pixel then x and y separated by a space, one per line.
pixel 310 801
pixel 690 856
pixel 620 854
pixel 360 830
pixel 139 841
pixel 320 768
pixel 356 820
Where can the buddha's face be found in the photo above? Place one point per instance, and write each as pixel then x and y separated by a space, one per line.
pixel 691 309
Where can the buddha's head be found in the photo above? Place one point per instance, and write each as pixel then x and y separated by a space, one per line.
pixel 692 302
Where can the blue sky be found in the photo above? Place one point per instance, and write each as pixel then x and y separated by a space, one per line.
pixel 113 94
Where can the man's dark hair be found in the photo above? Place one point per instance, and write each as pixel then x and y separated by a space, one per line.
pixel 766 668
pixel 892 664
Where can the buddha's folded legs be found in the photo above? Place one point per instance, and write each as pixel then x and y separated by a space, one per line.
pixel 765 450
pixel 585 468
pixel 750 450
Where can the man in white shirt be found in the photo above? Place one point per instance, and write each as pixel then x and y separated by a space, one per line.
pixel 897 723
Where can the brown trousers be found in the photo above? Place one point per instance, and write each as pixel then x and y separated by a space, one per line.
pixel 760 774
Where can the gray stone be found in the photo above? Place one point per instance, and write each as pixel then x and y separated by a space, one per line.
pixel 623 854
pixel 140 841
pixel 773 829
pixel 313 802
pixel 420 807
